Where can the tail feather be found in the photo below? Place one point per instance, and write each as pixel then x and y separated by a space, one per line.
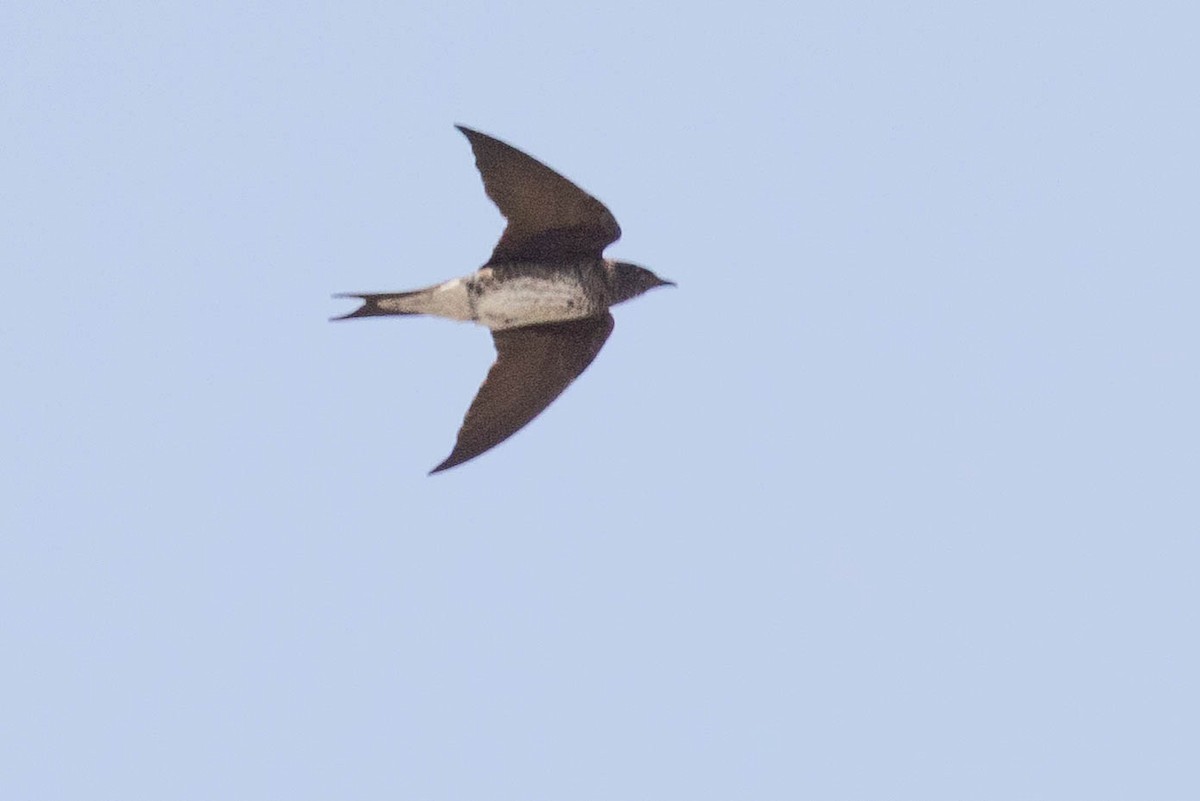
pixel 375 305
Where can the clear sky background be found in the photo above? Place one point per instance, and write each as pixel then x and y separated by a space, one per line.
pixel 895 496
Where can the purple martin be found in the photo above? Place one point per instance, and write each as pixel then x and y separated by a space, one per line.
pixel 544 293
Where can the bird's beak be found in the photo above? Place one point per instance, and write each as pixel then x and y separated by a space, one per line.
pixel 665 282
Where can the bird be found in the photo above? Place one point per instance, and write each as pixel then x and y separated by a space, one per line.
pixel 544 293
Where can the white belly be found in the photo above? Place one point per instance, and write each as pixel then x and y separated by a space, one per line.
pixel 527 301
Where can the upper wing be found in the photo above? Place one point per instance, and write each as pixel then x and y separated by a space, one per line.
pixel 549 218
pixel 534 364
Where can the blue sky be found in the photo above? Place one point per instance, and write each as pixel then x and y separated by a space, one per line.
pixel 895 496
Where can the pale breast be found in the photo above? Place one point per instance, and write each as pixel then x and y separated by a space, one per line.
pixel 528 300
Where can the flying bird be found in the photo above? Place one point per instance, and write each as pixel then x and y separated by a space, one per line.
pixel 545 293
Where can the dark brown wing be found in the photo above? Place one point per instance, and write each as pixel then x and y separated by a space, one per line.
pixel 534 364
pixel 549 218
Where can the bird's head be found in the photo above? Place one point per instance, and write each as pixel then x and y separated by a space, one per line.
pixel 630 280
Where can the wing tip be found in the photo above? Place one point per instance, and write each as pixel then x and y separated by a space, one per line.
pixel 453 460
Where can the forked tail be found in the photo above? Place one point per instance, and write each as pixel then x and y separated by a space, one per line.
pixel 378 305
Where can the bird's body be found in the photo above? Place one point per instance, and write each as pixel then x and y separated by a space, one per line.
pixel 544 294
pixel 511 295
pixel 508 296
